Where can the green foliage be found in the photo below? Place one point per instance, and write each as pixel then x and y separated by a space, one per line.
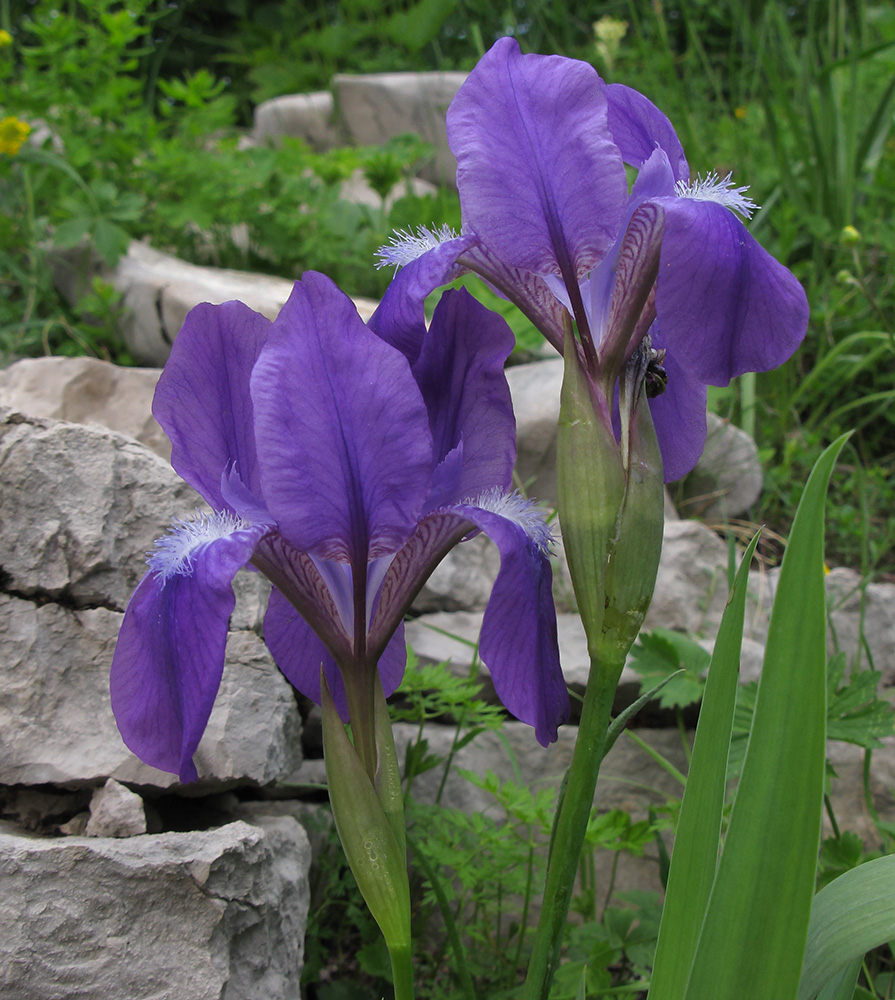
pixel 662 652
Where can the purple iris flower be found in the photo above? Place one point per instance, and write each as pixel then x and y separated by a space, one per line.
pixel 344 468
pixel 665 269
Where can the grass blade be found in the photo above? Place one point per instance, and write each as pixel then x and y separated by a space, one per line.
pixel 756 925
pixel 849 917
pixel 696 843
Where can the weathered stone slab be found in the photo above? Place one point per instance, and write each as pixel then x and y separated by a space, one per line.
pixel 728 478
pixel 691 586
pixel 86 391
pixel 57 720
pixel 79 508
pixel 376 107
pixel 159 290
pixel 213 915
pixel 308 117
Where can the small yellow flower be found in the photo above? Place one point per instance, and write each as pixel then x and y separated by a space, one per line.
pixel 740 113
pixel 13 132
pixel 849 236
pixel 5 39
pixel 608 35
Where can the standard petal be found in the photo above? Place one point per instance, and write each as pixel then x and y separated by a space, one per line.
pixel 637 127
pixel 460 375
pixel 170 654
pixel 725 305
pixel 518 641
pixel 343 436
pixel 202 399
pixel 300 654
pixel 541 183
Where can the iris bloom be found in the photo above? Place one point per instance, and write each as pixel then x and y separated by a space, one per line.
pixel 665 270
pixel 343 464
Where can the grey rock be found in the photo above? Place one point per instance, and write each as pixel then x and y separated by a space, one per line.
pixel 213 915
pixel 87 391
pixel 450 637
pixel 727 479
pixel 691 586
pixel 159 290
pixel 308 117
pixel 535 389
pixel 57 720
pixel 376 107
pixel 79 508
pixel 356 189
pixel 115 811
pixel 627 773
pixel 463 579
pixel 863 613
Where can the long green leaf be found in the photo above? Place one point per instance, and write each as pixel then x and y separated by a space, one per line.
pixel 694 859
pixel 851 915
pixel 753 938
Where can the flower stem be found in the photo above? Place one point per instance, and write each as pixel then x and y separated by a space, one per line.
pixel 571 825
pixel 402 973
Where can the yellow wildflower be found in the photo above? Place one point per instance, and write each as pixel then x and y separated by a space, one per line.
pixel 5 39
pixel 740 112
pixel 13 132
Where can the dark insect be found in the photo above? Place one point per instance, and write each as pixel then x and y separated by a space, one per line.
pixel 656 378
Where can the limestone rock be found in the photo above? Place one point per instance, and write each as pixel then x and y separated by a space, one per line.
pixel 57 720
pixel 115 811
pixel 81 506
pixel 863 611
pixel 357 190
pixel 308 117
pixel 691 586
pixel 159 290
pixel 376 107
pixel 463 579
pixel 727 479
pixel 535 389
pixel 449 637
pixel 86 391
pixel 212 915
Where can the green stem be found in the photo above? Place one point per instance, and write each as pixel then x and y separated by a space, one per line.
pixel 571 826
pixel 402 973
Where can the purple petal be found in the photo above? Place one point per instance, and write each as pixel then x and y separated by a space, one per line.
pixel 724 304
pixel 170 654
pixel 528 291
pixel 296 576
pixel 637 127
pixel 540 182
pixel 300 654
pixel 679 417
pixel 343 437
pixel 202 399
pixel 400 318
pixel 518 641
pixel 460 374
pixel 435 535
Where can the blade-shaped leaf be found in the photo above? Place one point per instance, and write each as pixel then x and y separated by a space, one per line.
pixel 693 860
pixel 756 924
pixel 851 915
